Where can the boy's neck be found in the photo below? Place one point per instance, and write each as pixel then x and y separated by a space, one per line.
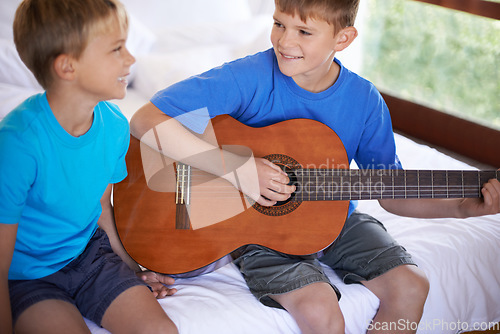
pixel 73 114
pixel 313 85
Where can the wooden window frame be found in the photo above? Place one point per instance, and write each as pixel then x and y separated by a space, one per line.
pixel 477 7
pixel 444 130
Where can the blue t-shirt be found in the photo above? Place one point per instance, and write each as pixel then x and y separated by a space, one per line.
pixel 51 182
pixel 255 92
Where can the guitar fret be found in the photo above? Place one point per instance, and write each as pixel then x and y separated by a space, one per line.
pixel 432 182
pixel 323 184
pixel 330 185
pixel 370 184
pixel 479 179
pixel 406 195
pixel 393 187
pixel 359 193
pixel 340 185
pixel 316 191
pixel 418 184
pixel 463 190
pixel 447 186
pixel 350 188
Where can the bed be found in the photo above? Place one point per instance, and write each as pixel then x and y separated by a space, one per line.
pixel 458 256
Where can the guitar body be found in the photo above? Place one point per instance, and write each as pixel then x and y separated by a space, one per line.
pixel 146 219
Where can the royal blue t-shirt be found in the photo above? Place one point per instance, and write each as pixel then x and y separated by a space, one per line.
pixel 255 92
pixel 51 182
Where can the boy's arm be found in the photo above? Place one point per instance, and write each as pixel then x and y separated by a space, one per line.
pixel 448 208
pixel 107 223
pixel 271 185
pixel 8 235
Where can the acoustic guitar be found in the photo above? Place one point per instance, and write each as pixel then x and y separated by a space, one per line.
pixel 158 210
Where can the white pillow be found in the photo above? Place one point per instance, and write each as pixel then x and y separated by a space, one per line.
pixel 160 70
pixel 7 12
pixel 160 13
pixel 139 42
pixel 12 69
pixel 181 52
pixel 140 38
pixel 11 96
pixel 214 33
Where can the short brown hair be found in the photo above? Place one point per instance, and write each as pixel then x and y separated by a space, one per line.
pixel 339 13
pixel 45 29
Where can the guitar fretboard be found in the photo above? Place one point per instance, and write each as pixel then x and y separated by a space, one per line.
pixel 353 184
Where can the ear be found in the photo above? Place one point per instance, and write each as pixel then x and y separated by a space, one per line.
pixel 345 37
pixel 63 67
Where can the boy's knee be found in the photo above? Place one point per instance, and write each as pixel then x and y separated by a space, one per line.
pixel 323 317
pixel 322 312
pixel 410 286
pixel 315 308
pixel 416 286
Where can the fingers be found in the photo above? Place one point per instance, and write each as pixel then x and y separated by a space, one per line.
pixel 157 283
pixel 273 183
pixel 165 279
pixel 491 195
pixel 152 277
pixel 163 292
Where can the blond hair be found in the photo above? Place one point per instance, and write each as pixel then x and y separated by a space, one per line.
pixel 45 29
pixel 339 13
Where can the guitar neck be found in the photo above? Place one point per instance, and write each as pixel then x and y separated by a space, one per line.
pixel 354 184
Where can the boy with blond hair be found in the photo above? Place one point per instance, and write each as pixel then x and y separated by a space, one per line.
pixel 301 78
pixel 60 153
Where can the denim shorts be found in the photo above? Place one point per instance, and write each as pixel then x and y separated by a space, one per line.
pixel 363 250
pixel 90 282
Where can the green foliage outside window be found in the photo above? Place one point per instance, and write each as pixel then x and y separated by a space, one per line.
pixel 438 57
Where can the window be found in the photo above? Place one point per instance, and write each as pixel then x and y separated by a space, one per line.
pixel 441 58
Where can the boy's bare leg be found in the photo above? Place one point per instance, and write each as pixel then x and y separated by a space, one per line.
pixel 136 310
pixel 315 308
pixel 51 316
pixel 402 292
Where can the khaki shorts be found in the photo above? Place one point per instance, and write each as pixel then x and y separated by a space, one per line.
pixel 363 251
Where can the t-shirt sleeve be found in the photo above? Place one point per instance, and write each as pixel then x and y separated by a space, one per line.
pixel 17 173
pixel 123 129
pixel 377 149
pixel 215 92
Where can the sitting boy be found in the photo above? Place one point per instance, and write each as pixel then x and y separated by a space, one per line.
pixel 301 78
pixel 60 153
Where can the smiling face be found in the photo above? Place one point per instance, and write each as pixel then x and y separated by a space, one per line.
pixel 102 69
pixel 305 50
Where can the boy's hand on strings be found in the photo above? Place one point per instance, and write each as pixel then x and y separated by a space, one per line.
pixel 273 183
pixel 262 181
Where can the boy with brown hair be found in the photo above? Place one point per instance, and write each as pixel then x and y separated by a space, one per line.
pixel 60 153
pixel 301 78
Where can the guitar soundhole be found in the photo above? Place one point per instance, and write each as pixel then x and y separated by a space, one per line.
pixel 287 164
